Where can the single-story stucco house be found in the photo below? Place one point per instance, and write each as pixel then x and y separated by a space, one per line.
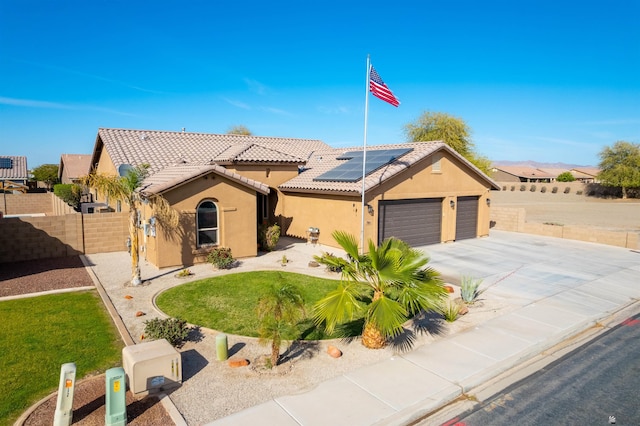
pixel 225 186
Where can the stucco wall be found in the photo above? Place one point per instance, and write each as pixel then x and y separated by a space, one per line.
pixel 514 219
pixel 237 222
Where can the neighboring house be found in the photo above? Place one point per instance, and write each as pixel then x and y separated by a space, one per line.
pixel 585 174
pixel 73 167
pixel 521 174
pixel 14 174
pixel 224 186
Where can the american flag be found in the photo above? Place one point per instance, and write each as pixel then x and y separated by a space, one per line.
pixel 380 90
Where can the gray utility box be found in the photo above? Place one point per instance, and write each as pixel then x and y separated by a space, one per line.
pixel 152 366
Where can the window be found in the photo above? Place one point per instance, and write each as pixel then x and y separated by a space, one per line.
pixel 436 165
pixel 207 223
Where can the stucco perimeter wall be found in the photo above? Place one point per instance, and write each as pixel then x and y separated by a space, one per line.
pixel 514 219
pixel 30 238
pixel 28 203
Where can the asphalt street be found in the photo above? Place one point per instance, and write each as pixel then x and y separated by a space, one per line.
pixel 596 384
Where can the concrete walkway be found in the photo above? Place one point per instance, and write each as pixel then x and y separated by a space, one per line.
pixel 561 288
pixel 557 288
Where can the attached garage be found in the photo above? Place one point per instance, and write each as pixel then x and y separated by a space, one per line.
pixel 417 222
pixel 467 218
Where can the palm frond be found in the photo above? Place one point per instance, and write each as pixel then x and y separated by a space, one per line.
pixel 337 307
pixel 387 315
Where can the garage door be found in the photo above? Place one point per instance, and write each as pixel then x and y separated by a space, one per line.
pixel 466 218
pixel 417 222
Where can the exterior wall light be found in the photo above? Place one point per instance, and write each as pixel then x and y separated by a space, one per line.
pixel 488 202
pixel 452 204
pixel 370 209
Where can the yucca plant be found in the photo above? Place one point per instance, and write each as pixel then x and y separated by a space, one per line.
pixel 450 310
pixel 470 289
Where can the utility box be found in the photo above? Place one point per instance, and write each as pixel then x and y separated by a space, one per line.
pixel 152 366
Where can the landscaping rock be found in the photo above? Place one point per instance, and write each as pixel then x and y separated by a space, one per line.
pixel 464 309
pixel 334 352
pixel 313 264
pixel 235 363
pixel 140 313
pixel 449 288
pixel 128 297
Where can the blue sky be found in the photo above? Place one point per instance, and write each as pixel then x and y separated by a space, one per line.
pixel 549 81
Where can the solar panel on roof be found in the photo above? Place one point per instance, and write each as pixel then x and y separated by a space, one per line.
pixel 6 163
pixel 351 170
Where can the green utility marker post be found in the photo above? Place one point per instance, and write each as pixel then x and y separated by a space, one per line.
pixel 222 347
pixel 64 407
pixel 115 401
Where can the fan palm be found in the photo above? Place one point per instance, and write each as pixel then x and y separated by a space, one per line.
pixel 126 189
pixel 389 285
pixel 279 311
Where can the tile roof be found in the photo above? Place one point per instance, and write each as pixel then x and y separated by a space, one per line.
pixel 526 172
pixel 324 161
pixel 174 176
pixel 18 171
pixel 161 149
pixel 76 165
pixel 586 171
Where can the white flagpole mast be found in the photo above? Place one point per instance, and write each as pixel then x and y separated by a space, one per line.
pixel 364 154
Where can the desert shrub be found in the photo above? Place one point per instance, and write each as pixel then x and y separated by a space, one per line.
pixel 543 189
pixel 470 289
pixel 579 192
pixel 533 188
pixel 221 258
pixel 268 236
pixel 69 193
pixel 513 187
pixel 565 177
pixel 175 330
pixel 523 187
pixel 554 189
pixel 450 310
pixel 567 190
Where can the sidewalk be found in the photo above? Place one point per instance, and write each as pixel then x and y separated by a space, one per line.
pixel 558 288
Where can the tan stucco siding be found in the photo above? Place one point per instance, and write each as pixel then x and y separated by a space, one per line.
pixel 237 224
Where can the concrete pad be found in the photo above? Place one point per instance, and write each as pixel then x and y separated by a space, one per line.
pixel 550 315
pixel 450 361
pixel 580 303
pixel 604 289
pixel 491 343
pixel 401 383
pixel 269 413
pixel 336 402
pixel 625 281
pixel 521 327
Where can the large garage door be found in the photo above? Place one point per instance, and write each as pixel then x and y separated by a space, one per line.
pixel 417 222
pixel 467 218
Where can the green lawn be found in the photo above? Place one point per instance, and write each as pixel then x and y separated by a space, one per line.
pixel 227 303
pixel 39 334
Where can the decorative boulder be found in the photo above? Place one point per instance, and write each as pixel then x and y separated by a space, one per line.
pixel 140 313
pixel 334 352
pixel 449 288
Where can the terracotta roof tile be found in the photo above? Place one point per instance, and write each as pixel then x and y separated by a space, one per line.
pixel 76 165
pixel 173 176
pixel 324 161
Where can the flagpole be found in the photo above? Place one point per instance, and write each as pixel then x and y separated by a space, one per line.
pixel 364 153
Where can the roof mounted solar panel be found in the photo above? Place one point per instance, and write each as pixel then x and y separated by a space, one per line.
pixel 6 163
pixel 351 170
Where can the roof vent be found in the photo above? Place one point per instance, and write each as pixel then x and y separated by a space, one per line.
pixel 144 137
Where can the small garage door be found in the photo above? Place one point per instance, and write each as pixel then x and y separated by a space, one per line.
pixel 417 222
pixel 466 218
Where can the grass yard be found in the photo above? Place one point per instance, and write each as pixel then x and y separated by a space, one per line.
pixel 227 303
pixel 39 334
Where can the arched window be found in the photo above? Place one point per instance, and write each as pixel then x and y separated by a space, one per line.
pixel 207 221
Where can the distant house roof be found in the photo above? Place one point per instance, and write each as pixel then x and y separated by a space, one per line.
pixel 76 165
pixel 526 172
pixel 324 161
pixel 13 168
pixel 174 176
pixel 161 149
pixel 590 172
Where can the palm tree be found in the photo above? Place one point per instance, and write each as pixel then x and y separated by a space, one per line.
pixel 388 285
pixel 279 312
pixel 125 188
